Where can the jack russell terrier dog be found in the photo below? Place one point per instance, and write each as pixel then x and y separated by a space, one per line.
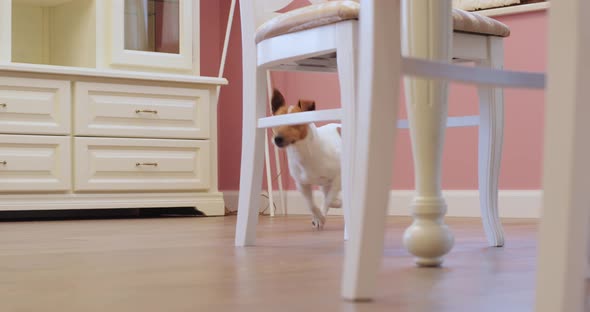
pixel 313 154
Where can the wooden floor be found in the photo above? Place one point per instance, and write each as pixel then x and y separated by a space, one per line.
pixel 190 264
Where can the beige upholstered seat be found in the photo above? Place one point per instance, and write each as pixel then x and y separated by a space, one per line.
pixel 468 22
pixel 336 11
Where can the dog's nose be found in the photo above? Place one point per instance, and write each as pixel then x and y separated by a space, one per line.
pixel 279 141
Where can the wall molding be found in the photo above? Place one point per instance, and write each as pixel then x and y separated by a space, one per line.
pixel 512 203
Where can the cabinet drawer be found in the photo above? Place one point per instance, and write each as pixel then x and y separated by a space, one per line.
pixel 112 164
pixel 116 110
pixel 34 106
pixel 34 163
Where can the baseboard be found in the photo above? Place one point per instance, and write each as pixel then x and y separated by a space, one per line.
pixel 211 204
pixel 230 198
pixel 512 203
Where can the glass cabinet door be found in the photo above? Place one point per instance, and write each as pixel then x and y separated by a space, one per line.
pixel 152 25
pixel 153 33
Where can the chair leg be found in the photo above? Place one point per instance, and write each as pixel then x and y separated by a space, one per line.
pixel 491 137
pixel 347 72
pixel 564 231
pixel 379 76
pixel 251 172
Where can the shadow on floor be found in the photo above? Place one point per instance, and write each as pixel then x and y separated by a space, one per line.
pixel 90 214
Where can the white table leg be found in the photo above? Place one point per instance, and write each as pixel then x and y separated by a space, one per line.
pixel 429 36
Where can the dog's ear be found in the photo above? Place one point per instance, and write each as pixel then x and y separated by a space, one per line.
pixel 306 105
pixel 277 101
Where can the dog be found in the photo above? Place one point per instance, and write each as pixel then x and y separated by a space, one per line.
pixel 313 155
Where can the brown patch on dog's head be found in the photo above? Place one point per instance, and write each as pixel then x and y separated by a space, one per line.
pixel 285 135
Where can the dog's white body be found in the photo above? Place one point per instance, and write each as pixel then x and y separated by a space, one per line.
pixel 315 160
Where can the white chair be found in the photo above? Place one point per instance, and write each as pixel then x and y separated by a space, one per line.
pixel 380 68
pixel 476 39
pixel 293 42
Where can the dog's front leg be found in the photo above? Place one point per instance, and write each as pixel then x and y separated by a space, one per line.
pixel 318 220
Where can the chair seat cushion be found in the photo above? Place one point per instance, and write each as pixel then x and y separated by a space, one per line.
pixel 308 17
pixel 331 12
pixel 468 22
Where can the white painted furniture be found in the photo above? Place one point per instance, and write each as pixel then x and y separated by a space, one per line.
pixel 106 34
pixel 380 63
pixel 426 101
pixel 564 231
pixel 118 16
pixel 89 119
pixel 480 42
pixel 287 52
pixel 471 42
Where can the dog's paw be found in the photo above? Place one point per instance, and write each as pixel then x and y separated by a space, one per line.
pixel 336 203
pixel 317 222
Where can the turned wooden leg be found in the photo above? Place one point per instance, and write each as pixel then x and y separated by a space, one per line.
pixel 429 26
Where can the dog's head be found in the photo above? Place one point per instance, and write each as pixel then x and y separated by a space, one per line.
pixel 286 135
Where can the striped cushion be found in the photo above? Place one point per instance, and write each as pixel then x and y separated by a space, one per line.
pixel 307 17
pixel 478 24
pixel 331 12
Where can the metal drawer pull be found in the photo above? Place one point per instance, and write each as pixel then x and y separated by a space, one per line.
pixel 3 162
pixel 150 111
pixel 3 105
pixel 154 164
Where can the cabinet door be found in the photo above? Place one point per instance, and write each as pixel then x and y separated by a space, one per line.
pixel 34 106
pixel 109 164
pixel 122 110
pixel 31 163
pixel 153 33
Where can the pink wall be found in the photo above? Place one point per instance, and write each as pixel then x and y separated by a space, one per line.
pixel 214 15
pixel 524 50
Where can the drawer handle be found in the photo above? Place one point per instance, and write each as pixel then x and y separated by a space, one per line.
pixel 150 111
pixel 153 164
pixel 3 163
pixel 3 105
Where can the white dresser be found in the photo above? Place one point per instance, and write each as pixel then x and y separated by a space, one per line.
pixel 88 123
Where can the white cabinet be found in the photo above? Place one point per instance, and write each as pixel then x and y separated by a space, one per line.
pixel 133 143
pixel 102 106
pixel 135 35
